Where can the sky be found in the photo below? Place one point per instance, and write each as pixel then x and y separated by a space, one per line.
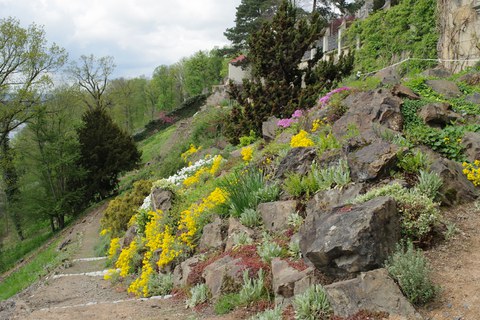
pixel 140 34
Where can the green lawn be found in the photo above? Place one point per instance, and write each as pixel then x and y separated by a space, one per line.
pixel 150 147
pixel 38 267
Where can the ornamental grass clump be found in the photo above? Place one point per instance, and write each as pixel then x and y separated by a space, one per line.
pixel 410 269
pixel 312 304
pixel 252 289
pixel 428 184
pixel 241 188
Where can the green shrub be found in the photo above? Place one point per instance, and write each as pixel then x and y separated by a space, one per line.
pixel 294 250
pixel 268 193
pixel 271 314
pixel 317 179
pixel 428 184
pixel 419 214
pixel 312 304
pixel 227 303
pixel 295 220
pixel 269 250
pixel 241 238
pixel 413 162
pixel 410 269
pixel 198 294
pixel 246 140
pixel 293 184
pixel 242 189
pixel 160 284
pixel 122 208
pixel 250 218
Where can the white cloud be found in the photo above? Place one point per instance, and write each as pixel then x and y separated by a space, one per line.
pixel 140 34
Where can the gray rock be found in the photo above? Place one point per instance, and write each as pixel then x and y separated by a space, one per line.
pixel 224 269
pixel 437 72
pixel 456 188
pixel 365 108
pixel 285 137
pixel 129 236
pixel 373 161
pixel 328 199
pixel 444 87
pixel 182 271
pixel 402 91
pixel 285 280
pixel 275 214
pixel 235 227
pixel 297 160
pixel 471 143
pixel 269 128
pixel 473 98
pixel 374 291
pixel 351 239
pixel 471 78
pixel 162 199
pixel 438 114
pixel 213 235
pixel 388 76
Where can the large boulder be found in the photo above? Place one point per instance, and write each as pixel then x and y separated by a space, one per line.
pixel 269 128
pixel 182 272
pixel 438 114
pixel 373 291
pixel 351 239
pixel 456 188
pixel 275 214
pixel 335 197
pixel 471 143
pixel 288 281
pixel 444 87
pixel 297 160
pixel 213 235
pixel 373 161
pixel 162 199
pixel 224 270
pixel 234 228
pixel 365 108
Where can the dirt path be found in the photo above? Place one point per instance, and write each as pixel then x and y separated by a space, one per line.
pixel 456 268
pixel 74 291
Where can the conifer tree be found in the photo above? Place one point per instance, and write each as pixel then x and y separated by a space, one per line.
pixel 278 85
pixel 105 152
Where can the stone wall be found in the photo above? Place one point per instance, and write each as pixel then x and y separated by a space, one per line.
pixel 459 25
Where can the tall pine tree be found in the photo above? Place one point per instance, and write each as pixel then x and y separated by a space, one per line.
pixel 105 152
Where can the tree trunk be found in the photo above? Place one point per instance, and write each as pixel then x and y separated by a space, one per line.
pixel 10 178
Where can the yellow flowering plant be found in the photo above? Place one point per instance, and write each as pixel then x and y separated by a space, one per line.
pixel 192 150
pixel 247 154
pixel 301 140
pixel 472 171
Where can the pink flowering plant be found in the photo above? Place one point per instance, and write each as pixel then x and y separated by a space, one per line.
pixel 323 101
pixel 286 123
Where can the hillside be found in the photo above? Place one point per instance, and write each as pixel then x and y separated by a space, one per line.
pixel 322 198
